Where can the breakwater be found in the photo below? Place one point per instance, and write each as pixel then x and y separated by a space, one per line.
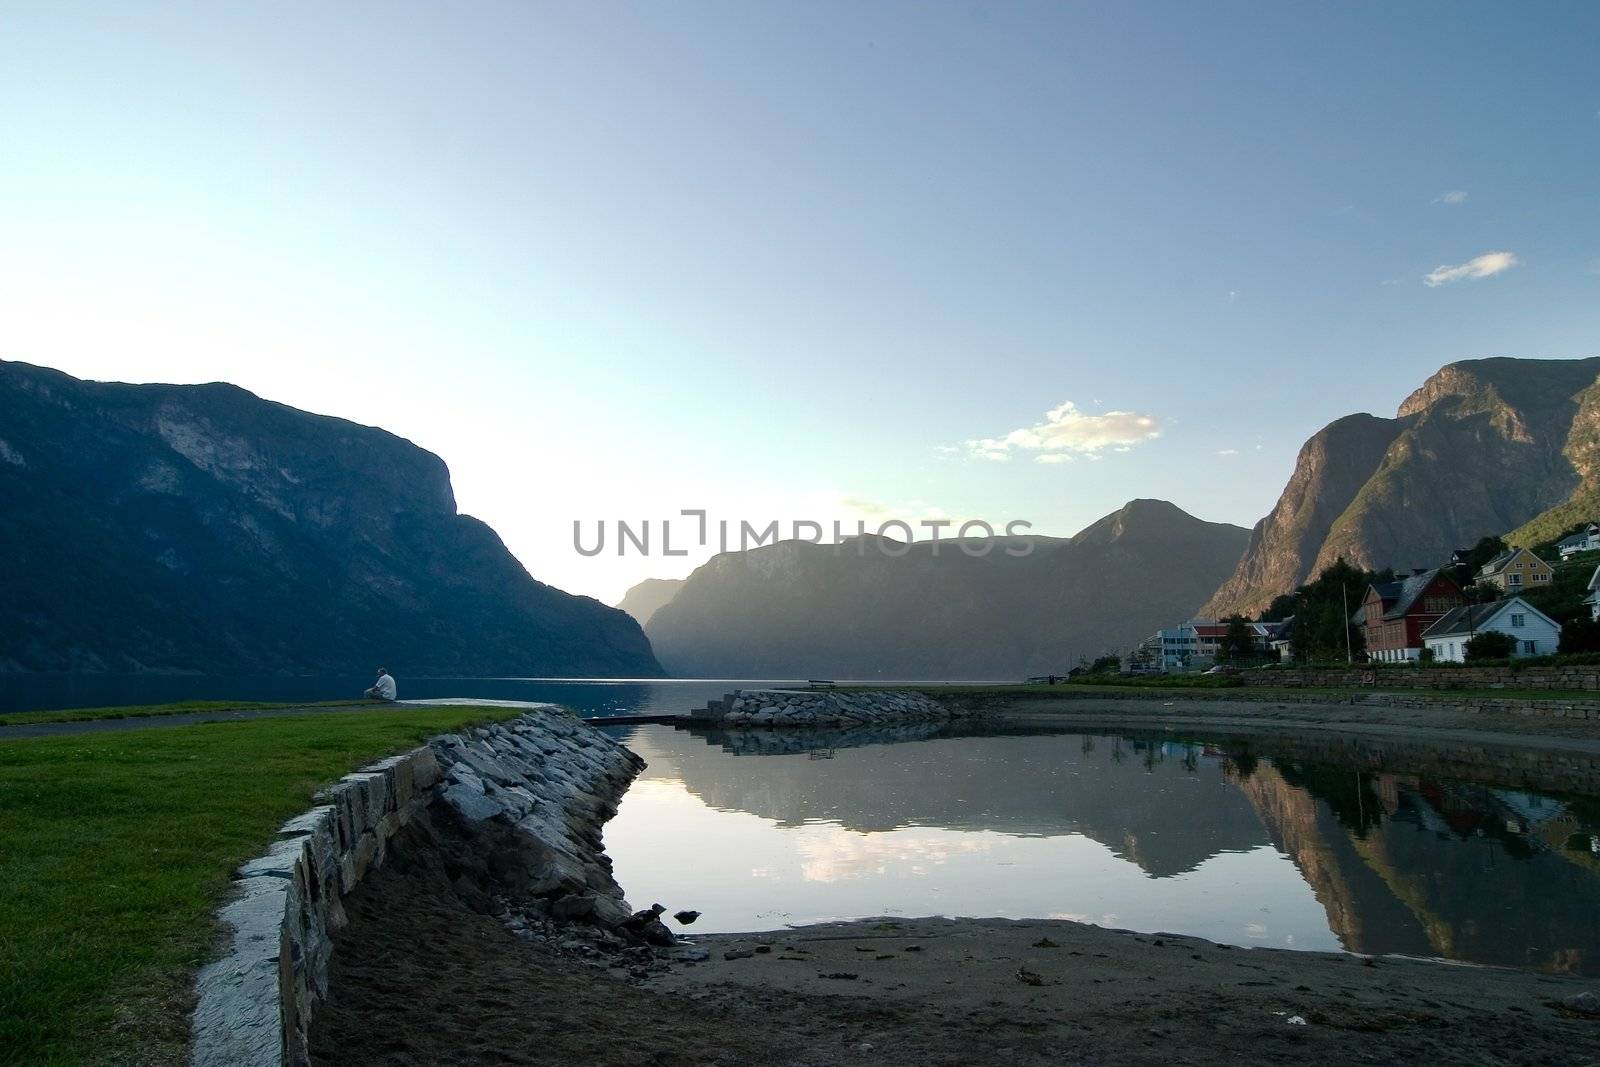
pixel 823 707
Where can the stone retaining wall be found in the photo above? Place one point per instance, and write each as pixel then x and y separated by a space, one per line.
pixel 822 707
pixel 1420 677
pixel 546 780
pixel 1580 707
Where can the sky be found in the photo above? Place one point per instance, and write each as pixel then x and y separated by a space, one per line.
pixel 858 261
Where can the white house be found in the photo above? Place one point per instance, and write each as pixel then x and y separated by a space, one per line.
pixel 1175 647
pixel 1535 633
pixel 1585 540
pixel 1593 599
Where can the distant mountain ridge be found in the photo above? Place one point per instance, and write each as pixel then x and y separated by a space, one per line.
pixel 797 609
pixel 1486 446
pixel 201 528
pixel 648 597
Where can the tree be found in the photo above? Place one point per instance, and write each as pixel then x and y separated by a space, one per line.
pixel 1465 573
pixel 1106 665
pixel 1321 624
pixel 1238 642
pixel 1490 644
pixel 1580 635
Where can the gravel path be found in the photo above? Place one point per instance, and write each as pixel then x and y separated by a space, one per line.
pixel 188 718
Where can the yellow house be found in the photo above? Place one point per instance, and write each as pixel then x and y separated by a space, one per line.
pixel 1516 570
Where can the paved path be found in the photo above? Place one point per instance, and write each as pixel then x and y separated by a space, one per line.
pixel 190 718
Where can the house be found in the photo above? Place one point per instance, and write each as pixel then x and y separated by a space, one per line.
pixel 1592 601
pixel 1585 540
pixel 1514 570
pixel 1393 615
pixel 1535 633
pixel 1209 635
pixel 1173 648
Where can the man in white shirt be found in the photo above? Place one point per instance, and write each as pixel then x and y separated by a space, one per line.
pixel 384 688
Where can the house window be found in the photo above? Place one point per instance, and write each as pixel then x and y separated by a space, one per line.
pixel 1519 621
pixel 1516 579
pixel 1529 648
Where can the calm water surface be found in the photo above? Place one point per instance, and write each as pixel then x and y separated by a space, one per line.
pixel 611 696
pixel 1234 844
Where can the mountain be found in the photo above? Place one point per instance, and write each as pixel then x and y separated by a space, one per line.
pixel 201 528
pixel 873 608
pixel 1486 446
pixel 649 597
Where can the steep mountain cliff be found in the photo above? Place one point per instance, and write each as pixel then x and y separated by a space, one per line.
pixel 1483 447
pixel 648 597
pixel 201 528
pixel 858 610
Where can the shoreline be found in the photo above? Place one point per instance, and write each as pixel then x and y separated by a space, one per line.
pixel 419 976
pixel 946 990
pixel 1269 717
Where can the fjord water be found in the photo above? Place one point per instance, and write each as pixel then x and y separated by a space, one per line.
pixel 1226 841
pixel 587 696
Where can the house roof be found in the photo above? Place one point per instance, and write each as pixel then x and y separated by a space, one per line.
pixel 1406 593
pixel 1575 539
pixel 1498 564
pixel 1476 617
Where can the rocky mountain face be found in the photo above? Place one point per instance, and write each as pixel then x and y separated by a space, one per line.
pixel 649 597
pixel 1488 446
pixel 201 528
pixel 874 609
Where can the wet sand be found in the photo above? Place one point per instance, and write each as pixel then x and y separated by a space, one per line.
pixel 420 977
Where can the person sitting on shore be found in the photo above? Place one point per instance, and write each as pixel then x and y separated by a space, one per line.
pixel 384 688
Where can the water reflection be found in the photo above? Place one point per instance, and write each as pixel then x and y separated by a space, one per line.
pixel 1229 840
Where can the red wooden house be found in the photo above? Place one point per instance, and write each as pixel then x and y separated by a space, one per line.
pixel 1394 614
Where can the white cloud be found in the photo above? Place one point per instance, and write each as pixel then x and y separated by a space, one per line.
pixel 1067 432
pixel 1227 451
pixel 1485 266
pixel 1451 196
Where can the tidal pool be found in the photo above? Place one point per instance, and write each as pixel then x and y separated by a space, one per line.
pixel 1290 844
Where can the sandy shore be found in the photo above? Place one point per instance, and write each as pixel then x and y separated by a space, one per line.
pixel 419 976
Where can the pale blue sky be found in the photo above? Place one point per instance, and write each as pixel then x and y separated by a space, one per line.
pixel 612 260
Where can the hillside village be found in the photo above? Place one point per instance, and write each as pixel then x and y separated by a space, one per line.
pixel 1494 601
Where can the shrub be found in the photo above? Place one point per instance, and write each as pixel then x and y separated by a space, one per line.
pixel 1489 645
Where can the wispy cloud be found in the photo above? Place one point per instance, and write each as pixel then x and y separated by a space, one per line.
pixel 1227 451
pixel 1451 196
pixel 1066 433
pixel 1485 266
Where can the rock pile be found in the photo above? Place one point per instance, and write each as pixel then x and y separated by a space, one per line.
pixel 746 740
pixel 822 707
pixel 543 786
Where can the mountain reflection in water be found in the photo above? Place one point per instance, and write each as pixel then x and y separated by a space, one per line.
pixel 1247 845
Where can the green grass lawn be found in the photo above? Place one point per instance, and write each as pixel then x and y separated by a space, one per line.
pixel 116 847
pixel 20 718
